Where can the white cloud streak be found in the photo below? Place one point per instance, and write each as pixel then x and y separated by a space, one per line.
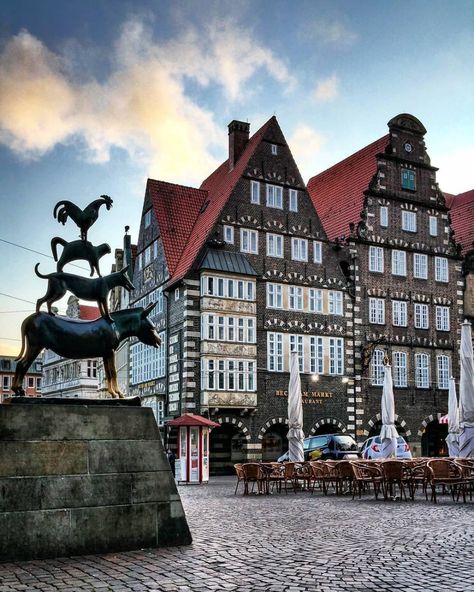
pixel 141 107
pixel 327 89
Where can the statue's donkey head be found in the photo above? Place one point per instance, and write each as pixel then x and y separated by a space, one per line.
pixel 146 331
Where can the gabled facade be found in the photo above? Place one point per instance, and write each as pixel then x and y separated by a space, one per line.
pixel 243 273
pixel 31 382
pixel 385 204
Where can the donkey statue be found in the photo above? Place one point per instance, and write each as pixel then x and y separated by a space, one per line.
pixel 83 339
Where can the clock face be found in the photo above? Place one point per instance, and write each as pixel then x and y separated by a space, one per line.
pixel 408 147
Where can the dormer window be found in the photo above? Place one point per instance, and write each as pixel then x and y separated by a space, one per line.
pixel 147 220
pixel 274 149
pixel 408 179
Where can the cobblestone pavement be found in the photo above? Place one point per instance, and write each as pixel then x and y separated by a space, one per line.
pixel 281 543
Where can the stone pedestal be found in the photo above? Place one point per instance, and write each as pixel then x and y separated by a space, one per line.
pixel 82 479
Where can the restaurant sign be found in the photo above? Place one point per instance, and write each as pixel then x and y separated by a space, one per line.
pixel 309 397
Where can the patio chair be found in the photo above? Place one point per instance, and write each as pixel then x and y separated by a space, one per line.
pixel 253 474
pixel 418 475
pixel 286 475
pixel 344 477
pixel 467 472
pixel 448 474
pixel 319 475
pixel 394 473
pixel 365 475
pixel 303 474
pixel 240 475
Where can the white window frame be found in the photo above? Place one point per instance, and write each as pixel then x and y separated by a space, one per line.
pixel 420 266
pixel 422 370
pixel 317 251
pixel 274 149
pixel 408 221
pixel 441 269
pixel 296 343
pixel 293 205
pixel 383 216
pixel 376 259
pixel 316 355
pixel 275 352
pixel 433 225
pixel 336 356
pixel 295 298
pixel 274 295
pixel 6 383
pixel 275 196
pixel 255 192
pixel 399 263
pixel 299 249
pixel 377 368
pixel 442 372
pixel 275 245
pixel 147 219
pixel 249 241
pixel 315 300
pixel 400 369
pixel 229 234
pixel 335 302
pixel 176 294
pixel 422 315
pixel 399 313
pixel 442 318
pixel 376 311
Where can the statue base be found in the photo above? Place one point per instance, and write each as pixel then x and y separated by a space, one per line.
pixel 83 479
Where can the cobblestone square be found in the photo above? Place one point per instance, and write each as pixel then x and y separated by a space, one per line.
pixel 281 543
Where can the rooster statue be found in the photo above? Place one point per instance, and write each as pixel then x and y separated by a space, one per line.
pixel 83 218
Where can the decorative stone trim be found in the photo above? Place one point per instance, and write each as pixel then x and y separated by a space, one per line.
pixel 295 276
pixel 299 229
pixel 428 420
pixel 272 224
pixel 442 300
pixel 256 173
pixel 273 274
pixel 296 325
pixel 336 328
pixel 274 176
pixel 316 327
pixel 421 298
pixel 409 206
pixel 398 242
pixel 270 423
pixel 274 323
pixel 378 292
pixel 236 422
pixel 247 219
pixel 376 418
pixel 327 421
pixel 375 238
pixel 400 296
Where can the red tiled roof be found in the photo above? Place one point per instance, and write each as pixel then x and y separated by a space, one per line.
pixel 189 419
pixel 338 192
pixel 462 218
pixel 88 313
pixel 197 210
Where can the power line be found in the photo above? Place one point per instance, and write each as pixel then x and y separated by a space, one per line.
pixel 15 311
pixel 16 297
pixel 37 252
pixel 10 339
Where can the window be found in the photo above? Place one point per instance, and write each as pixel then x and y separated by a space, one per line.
pixel 336 355
pixel 295 300
pixel 433 226
pixel 376 259
pixel 248 241
pixel 274 196
pixel 377 311
pixel 91 368
pixel 31 382
pixel 255 192
pixel 296 344
pixel 315 300
pixel 274 245
pixel 442 366
pixel 316 355
pixel 400 369
pixel 147 255
pixel 155 249
pixel 38 384
pixel 222 328
pixel 420 266
pixel 441 269
pixel 274 149
pixel 408 179
pixel 299 249
pixel 318 251
pixel 147 220
pixel 6 383
pixel 399 313
pixel 274 296
pixel 275 352
pixel 421 316
pixel 229 234
pixel 176 294
pixel 408 221
pixel 293 200
pixel 442 318
pixel 335 302
pixel 422 371
pixel 376 368
pixel 384 216
pixel 399 262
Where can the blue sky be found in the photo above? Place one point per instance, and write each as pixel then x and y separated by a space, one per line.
pixel 97 96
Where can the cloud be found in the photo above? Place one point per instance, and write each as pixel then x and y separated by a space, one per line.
pixel 142 106
pixel 305 144
pixel 326 90
pixel 330 31
pixel 455 171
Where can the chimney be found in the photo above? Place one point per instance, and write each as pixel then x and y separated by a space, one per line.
pixel 238 138
pixel 127 252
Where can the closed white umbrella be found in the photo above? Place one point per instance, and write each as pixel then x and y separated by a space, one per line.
pixel 466 393
pixel 295 412
pixel 453 420
pixel 388 433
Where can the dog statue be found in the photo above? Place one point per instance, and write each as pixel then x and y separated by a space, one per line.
pixel 79 249
pixel 86 288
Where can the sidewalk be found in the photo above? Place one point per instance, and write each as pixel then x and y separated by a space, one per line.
pixel 281 543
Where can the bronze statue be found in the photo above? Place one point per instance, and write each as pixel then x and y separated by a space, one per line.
pixel 83 339
pixel 83 218
pixel 76 250
pixel 88 289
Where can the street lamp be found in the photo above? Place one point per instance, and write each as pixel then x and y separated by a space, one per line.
pixel 315 377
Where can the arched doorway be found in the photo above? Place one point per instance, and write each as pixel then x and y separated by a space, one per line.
pixel 327 428
pixel 226 448
pixel 375 430
pixel 274 442
pixel 433 440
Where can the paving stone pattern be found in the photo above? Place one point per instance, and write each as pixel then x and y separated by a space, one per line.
pixel 281 543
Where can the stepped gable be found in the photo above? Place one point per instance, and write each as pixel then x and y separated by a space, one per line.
pixel 176 208
pixel 462 217
pixel 338 192
pixel 217 188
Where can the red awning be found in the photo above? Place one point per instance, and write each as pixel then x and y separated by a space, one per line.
pixel 443 419
pixel 189 419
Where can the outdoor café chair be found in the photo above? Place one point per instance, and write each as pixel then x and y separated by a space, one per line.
pixel 253 474
pixel 318 476
pixel 448 474
pixel 394 473
pixel 419 475
pixel 304 474
pixel 286 476
pixel 344 477
pixel 365 475
pixel 467 471
pixel 240 475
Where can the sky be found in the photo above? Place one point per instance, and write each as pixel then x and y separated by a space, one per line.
pixel 96 96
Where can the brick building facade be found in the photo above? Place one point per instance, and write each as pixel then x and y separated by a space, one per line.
pixel 31 382
pixel 242 272
pixel 384 204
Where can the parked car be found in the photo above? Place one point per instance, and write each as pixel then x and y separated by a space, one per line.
pixel 328 446
pixel 372 448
